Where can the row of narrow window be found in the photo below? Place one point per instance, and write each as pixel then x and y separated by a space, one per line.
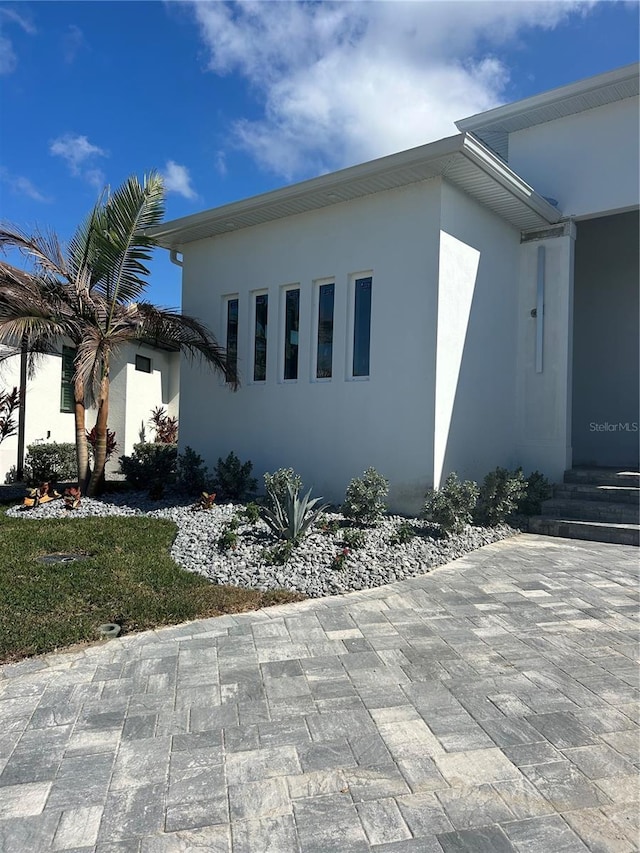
pixel 324 342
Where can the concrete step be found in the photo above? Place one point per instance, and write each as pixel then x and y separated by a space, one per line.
pixel 569 528
pixel 603 476
pixel 589 510
pixel 588 492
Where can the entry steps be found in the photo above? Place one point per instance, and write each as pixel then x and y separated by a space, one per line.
pixel 597 504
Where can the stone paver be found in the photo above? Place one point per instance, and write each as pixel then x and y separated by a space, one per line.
pixel 490 705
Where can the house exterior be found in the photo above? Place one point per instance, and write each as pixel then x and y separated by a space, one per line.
pixel 468 303
pixel 142 377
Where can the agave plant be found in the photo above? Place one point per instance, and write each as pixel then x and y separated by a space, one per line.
pixel 292 519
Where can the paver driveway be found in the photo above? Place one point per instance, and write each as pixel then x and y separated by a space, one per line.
pixel 488 706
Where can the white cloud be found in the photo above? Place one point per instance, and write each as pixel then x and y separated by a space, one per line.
pixel 177 180
pixel 8 57
pixel 20 185
pixel 346 82
pixel 80 156
pixel 73 42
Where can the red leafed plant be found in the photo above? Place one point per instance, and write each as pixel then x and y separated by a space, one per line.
pixel 72 497
pixel 112 444
pixel 166 427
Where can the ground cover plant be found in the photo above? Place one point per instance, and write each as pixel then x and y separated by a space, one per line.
pixel 128 577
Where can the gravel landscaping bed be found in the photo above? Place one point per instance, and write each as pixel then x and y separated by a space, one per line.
pixel 312 569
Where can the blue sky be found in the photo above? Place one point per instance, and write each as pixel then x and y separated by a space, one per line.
pixel 230 100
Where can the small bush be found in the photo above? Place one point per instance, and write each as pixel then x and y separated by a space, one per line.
pixel 500 493
pixel 233 480
pixel 150 466
pixel 404 533
pixel 539 489
pixel 50 462
pixel 365 500
pixel 279 554
pixel 276 485
pixel 251 513
pixel 451 507
pixel 352 538
pixel 92 439
pixel 228 539
pixel 191 472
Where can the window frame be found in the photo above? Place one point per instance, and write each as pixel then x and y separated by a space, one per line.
pixel 66 383
pixel 282 336
pixel 252 337
pixel 226 302
pixel 318 284
pixel 354 280
pixel 146 358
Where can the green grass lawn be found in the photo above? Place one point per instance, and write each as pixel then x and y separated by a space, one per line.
pixel 128 578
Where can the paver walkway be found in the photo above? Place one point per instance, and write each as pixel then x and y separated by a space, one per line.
pixel 488 706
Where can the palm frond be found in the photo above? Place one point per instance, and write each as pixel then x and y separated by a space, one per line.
pixel 168 327
pixel 122 244
pixel 43 250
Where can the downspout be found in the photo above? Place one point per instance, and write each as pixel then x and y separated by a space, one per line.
pixel 540 308
pixel 173 257
pixel 22 408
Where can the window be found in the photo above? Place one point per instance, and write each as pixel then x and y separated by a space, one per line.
pixel 260 338
pixel 324 357
pixel 362 326
pixel 291 332
pixel 143 364
pixel 67 397
pixel 232 339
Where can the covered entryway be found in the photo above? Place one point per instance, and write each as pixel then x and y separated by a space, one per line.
pixel 605 342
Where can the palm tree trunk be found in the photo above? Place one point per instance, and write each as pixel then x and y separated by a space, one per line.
pixel 100 449
pixel 82 445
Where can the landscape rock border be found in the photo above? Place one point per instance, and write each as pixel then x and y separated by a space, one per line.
pixel 312 568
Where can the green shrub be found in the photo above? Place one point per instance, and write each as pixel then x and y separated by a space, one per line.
pixel 451 506
pixel 276 485
pixel 404 533
pixel 251 513
pixel 292 519
pixel 150 466
pixel 228 539
pixel 279 554
pixel 352 538
pixel 191 472
pixel 365 500
pixel 539 489
pixel 233 480
pixel 50 462
pixel 500 493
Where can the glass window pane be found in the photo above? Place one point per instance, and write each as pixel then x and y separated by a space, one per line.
pixel 362 327
pixel 143 364
pixel 232 339
pixel 260 339
pixel 66 380
pixel 324 361
pixel 291 329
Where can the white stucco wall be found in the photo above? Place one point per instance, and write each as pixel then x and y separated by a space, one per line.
pixel 477 306
pixel 132 397
pixel 543 407
pixel 329 431
pixel 588 162
pixel 606 336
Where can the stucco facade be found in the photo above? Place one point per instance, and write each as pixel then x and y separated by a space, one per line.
pixel 467 248
pixel 133 395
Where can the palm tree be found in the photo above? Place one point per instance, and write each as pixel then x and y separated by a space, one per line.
pixel 92 294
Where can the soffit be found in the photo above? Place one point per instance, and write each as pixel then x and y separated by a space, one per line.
pixel 494 126
pixel 459 159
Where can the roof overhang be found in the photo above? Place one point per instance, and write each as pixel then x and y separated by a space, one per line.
pixel 462 160
pixel 494 126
